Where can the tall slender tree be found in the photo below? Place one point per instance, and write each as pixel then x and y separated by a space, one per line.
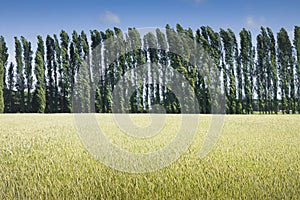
pixel 152 73
pixel 121 69
pixel 41 49
pixel 20 82
pixel 39 99
pixel 10 101
pixel 286 70
pixel 186 41
pixel 297 47
pixel 175 64
pixel 201 90
pixel 40 88
pixel 262 67
pixel 57 75
pixel 82 88
pixel 108 80
pixel 79 56
pixel 229 45
pixel 1 87
pixel 27 57
pixel 163 61
pixel 65 90
pixel 273 72
pixel 75 59
pixel 245 59
pixel 4 57
pixel 87 61
pixel 96 70
pixel 137 60
pixel 50 86
pixel 215 53
pixel 236 77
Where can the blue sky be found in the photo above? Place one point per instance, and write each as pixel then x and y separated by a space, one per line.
pixel 33 17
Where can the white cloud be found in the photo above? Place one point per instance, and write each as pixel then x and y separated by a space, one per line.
pixel 198 1
pixel 195 1
pixel 110 18
pixel 251 22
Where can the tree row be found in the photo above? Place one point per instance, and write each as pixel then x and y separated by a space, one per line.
pixel 174 70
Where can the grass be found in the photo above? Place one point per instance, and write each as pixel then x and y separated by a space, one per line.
pixel 256 157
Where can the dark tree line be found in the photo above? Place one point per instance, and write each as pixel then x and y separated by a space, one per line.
pixel 68 70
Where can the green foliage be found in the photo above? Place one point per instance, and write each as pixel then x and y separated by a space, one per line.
pixel 39 104
pixel 262 70
pixel 297 47
pixel 266 72
pixel 82 91
pixel 50 83
pixel 57 68
pixel 3 57
pixel 245 59
pixel 81 85
pixel 66 80
pixel 286 70
pixel 20 80
pixel 1 87
pixel 10 103
pixel 230 51
pixel 96 54
pixel 27 57
pixel 273 76
pixel 265 79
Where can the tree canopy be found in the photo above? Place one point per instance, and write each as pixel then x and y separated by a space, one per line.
pixel 84 70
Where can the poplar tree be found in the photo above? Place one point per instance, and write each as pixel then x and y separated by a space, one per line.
pixel 41 49
pixel 75 59
pixel 80 68
pixel 1 86
pixel 229 47
pixel 57 75
pixel 108 79
pixel 4 57
pixel 40 88
pixel 50 91
pixel 152 88
pixel 163 60
pixel 39 96
pixel 96 62
pixel 201 90
pixel 245 59
pixel 176 51
pixel 20 82
pixel 262 67
pixel 65 89
pixel 27 57
pixel 286 71
pixel 297 47
pixel 121 68
pixel 86 59
pixel 137 60
pixel 186 41
pixel 10 102
pixel 214 63
pixel 273 72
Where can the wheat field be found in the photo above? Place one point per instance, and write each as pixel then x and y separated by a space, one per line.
pixel 256 157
